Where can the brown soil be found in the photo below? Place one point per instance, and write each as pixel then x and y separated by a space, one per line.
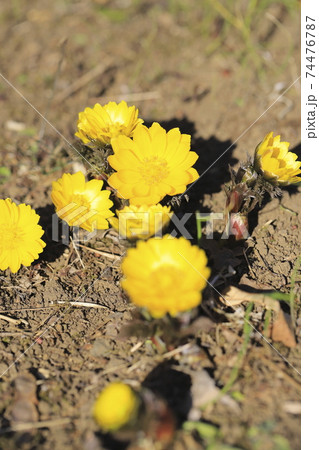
pixel 182 65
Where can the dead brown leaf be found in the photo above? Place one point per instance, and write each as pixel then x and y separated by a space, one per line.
pixel 281 331
pixel 233 296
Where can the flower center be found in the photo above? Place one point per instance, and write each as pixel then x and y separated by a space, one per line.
pixel 154 170
pixel 10 236
pixel 115 128
pixel 167 278
pixel 81 201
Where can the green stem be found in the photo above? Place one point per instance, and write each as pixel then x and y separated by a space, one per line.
pixel 242 353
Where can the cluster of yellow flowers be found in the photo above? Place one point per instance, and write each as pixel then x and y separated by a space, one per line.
pixel 146 164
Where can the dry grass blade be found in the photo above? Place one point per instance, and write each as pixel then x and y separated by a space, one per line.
pixel 80 304
pixel 98 252
pixel 41 424
pixel 13 321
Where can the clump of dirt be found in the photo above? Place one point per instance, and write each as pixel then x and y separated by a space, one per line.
pixel 275 247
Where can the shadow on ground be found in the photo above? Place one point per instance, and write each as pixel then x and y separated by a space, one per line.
pixel 54 233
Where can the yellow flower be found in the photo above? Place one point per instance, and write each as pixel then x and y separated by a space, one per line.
pixel 98 125
pixel 155 163
pixel 81 203
pixel 165 275
pixel 20 235
pixel 116 405
pixel 141 222
pixel 275 162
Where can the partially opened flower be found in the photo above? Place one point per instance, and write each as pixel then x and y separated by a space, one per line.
pixel 98 125
pixel 116 406
pixel 277 165
pixel 20 235
pixel 153 164
pixel 82 204
pixel 165 275
pixel 141 222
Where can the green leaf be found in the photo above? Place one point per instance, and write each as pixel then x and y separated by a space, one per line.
pixel 5 173
pixel 205 430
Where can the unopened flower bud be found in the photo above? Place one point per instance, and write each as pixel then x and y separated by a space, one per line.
pixel 275 163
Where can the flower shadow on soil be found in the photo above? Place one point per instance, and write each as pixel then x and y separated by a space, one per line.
pixel 54 247
pixel 173 386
